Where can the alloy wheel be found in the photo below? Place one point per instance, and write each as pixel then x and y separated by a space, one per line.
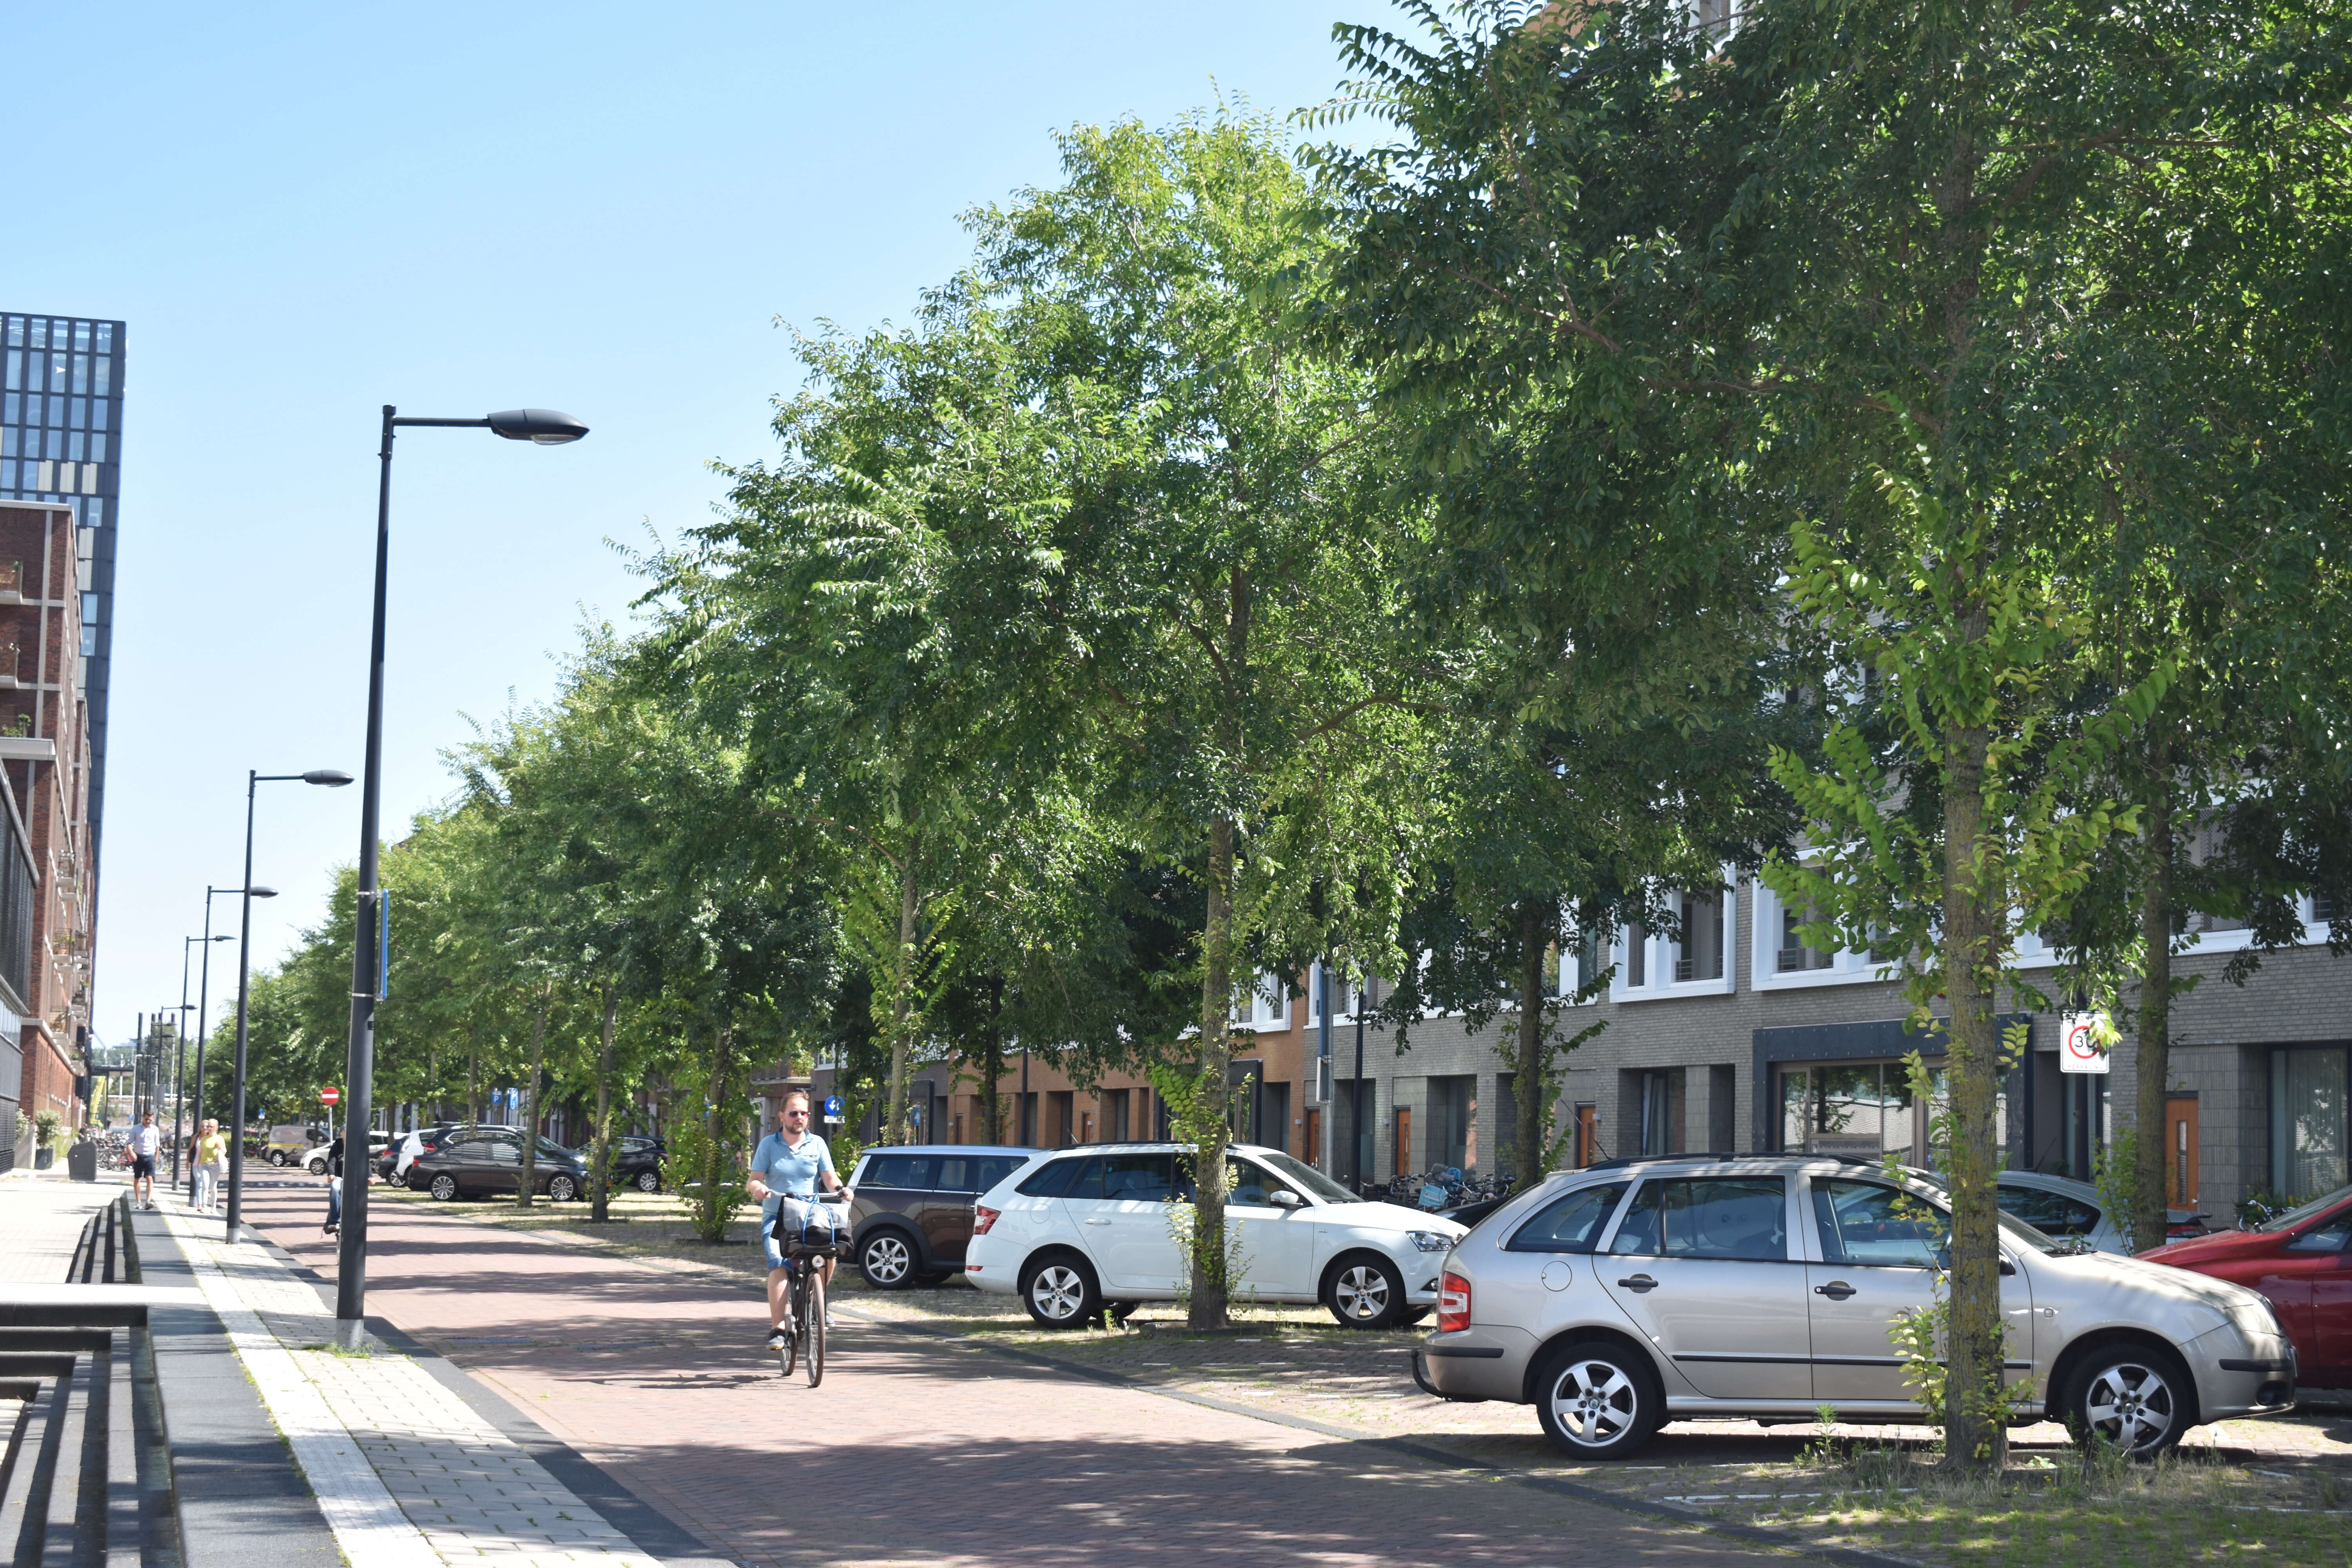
pixel 1057 1292
pixel 887 1261
pixel 561 1190
pixel 647 1182
pixel 1361 1291
pixel 2130 1405
pixel 445 1187
pixel 1594 1403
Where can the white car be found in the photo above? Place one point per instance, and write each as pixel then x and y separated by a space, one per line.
pixel 1091 1228
pixel 1620 1297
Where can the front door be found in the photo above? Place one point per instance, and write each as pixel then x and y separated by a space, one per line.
pixel 1277 1245
pixel 1880 1251
pixel 2181 1152
pixel 1701 1266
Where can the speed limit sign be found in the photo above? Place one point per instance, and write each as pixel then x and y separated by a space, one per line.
pixel 2078 1043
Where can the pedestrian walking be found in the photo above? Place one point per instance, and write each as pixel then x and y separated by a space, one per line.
pixel 145 1139
pixel 334 1187
pixel 212 1163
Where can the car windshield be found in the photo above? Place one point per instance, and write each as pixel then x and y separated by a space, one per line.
pixel 1307 1176
pixel 550 1146
pixel 2296 1216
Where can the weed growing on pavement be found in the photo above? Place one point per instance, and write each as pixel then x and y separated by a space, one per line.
pixel 349 1353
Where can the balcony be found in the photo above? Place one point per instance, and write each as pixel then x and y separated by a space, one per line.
pixel 1801 960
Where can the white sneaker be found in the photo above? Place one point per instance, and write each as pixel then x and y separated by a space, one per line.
pixel 778 1339
pixel 829 1324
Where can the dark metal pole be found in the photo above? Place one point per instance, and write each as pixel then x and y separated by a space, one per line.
pixel 1355 1098
pixel 351 1249
pixel 180 1064
pixel 244 974
pixel 204 986
pixel 1322 1055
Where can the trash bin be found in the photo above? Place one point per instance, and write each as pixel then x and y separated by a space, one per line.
pixel 81 1162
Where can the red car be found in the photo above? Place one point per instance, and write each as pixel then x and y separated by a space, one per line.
pixel 2302 1262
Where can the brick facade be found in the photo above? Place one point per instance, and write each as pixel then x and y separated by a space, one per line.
pixel 45 773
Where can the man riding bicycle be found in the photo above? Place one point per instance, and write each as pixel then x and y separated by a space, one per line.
pixel 789 1163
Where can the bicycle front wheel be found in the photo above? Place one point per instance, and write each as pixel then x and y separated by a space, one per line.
pixel 815 1329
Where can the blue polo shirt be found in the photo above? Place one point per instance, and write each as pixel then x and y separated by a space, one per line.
pixel 789 1169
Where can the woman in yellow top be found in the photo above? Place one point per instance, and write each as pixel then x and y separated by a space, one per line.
pixel 211 1162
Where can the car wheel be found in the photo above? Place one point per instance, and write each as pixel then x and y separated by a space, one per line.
pixel 1597 1401
pixel 648 1181
pixel 277 1158
pixel 561 1189
pixel 887 1261
pixel 443 1188
pixel 1365 1292
pixel 1060 1291
pixel 2137 1399
pixel 317 1167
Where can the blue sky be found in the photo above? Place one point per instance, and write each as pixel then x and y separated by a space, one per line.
pixel 306 212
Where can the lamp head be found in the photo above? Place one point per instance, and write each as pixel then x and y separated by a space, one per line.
pixel 544 426
pixel 261 892
pixel 334 778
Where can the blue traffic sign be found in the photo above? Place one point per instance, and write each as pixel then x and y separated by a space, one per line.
pixel 832 1107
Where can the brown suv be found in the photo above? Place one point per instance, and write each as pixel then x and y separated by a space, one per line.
pixel 912 1214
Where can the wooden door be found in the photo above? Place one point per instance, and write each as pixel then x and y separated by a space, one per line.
pixel 1314 1153
pixel 1587 1133
pixel 1404 1140
pixel 2181 1152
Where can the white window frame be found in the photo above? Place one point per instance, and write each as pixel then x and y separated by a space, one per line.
pixel 1267 1014
pixel 1846 966
pixel 1659 958
pixel 1320 976
pixel 1571 964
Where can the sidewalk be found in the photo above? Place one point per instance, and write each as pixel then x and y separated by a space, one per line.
pixel 41 1216
pixel 407 1472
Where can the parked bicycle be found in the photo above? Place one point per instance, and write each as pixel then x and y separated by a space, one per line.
pixel 804 1310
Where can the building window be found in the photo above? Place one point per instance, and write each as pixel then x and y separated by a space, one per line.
pixel 1269 1003
pixel 1661 1112
pixel 1695 961
pixel 2308 1124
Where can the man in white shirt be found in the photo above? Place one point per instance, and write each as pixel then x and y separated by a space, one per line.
pixel 145 1139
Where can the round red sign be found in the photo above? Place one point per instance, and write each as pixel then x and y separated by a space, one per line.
pixel 331 1095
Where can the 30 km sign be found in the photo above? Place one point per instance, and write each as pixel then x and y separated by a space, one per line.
pixel 328 1095
pixel 2078 1044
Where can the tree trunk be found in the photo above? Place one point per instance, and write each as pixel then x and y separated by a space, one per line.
pixel 1209 1296
pixel 529 1181
pixel 714 1101
pixel 2152 1053
pixel 601 1178
pixel 910 907
pixel 991 1068
pixel 1526 1069
pixel 1975 1435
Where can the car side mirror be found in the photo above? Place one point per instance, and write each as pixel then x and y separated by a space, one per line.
pixel 1284 1198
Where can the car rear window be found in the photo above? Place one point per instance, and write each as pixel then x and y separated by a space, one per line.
pixel 1052 1179
pixel 1570 1222
pixel 967 1174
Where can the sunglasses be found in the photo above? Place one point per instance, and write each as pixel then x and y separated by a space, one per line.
pixel 795 1113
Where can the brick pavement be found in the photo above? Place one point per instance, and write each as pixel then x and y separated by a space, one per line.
pixel 920 1450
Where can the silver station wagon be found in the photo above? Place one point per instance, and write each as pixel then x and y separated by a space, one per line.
pixel 1618 1297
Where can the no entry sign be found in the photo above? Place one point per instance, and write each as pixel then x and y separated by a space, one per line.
pixel 2078 1043
pixel 328 1095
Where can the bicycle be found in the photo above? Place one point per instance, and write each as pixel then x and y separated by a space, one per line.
pixel 805 1310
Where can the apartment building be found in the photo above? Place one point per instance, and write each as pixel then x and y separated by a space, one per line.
pixel 46 911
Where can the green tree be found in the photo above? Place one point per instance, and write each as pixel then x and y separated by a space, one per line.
pixel 1823 268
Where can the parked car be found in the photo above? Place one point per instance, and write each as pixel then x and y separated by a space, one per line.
pixel 487 1161
pixel 1622 1296
pixel 1090 1227
pixel 636 1161
pixel 291 1145
pixel 2067 1209
pixel 911 1215
pixel 2302 1261
pixel 379 1145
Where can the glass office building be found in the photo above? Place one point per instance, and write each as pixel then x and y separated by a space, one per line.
pixel 61 440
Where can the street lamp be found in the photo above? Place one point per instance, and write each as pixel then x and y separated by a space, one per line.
pixel 246 893
pixel 541 427
pixel 204 989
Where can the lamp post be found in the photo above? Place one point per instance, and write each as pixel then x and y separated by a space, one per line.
pixel 245 895
pixel 541 427
pixel 179 1057
pixel 204 996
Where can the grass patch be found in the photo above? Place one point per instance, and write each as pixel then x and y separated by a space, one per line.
pixel 2050 1511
